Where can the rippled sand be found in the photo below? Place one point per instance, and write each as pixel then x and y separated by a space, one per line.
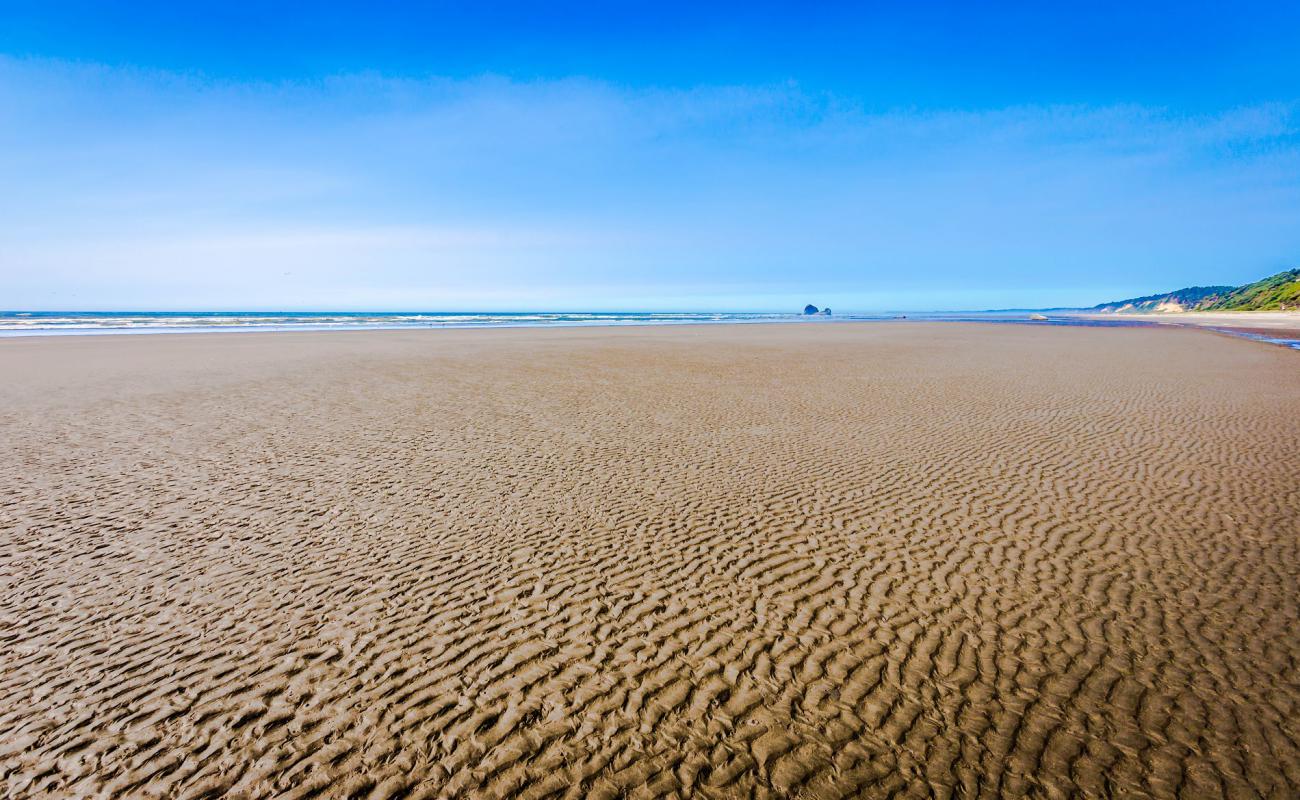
pixel 774 561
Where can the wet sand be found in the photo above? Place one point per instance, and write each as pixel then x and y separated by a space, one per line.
pixel 1280 324
pixel 923 560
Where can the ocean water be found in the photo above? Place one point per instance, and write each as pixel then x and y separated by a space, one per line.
pixel 64 323
pixel 44 323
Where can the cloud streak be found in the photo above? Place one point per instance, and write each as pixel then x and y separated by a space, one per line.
pixel 150 189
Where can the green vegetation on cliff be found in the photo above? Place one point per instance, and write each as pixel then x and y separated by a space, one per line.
pixel 1277 293
pixel 1280 292
pixel 1180 300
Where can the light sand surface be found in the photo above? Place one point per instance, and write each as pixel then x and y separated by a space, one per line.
pixel 804 560
pixel 1284 324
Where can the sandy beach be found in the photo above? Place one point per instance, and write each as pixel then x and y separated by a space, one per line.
pixel 1282 324
pixel 890 559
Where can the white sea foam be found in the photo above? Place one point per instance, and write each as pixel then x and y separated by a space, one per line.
pixel 48 323
pixel 56 323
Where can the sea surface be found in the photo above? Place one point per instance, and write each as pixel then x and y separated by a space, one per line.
pixel 64 323
pixel 44 323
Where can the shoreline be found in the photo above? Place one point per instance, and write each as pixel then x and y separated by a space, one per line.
pixel 103 323
pixel 1277 328
pixel 1263 322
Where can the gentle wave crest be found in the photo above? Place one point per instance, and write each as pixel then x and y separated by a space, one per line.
pixel 49 322
pixel 56 323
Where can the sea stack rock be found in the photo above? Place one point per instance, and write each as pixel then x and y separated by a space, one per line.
pixel 810 309
pixel 825 312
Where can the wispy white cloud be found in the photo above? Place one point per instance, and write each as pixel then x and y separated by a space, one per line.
pixel 180 190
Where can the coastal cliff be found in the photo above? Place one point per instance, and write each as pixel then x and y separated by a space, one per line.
pixel 1280 292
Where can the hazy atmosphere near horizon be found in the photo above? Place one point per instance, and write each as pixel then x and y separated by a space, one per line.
pixel 640 156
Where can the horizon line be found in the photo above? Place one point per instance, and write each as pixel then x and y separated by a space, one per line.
pixel 527 311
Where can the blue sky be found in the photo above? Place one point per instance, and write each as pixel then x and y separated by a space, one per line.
pixel 641 156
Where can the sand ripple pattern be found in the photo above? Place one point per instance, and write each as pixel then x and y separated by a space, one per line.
pixel 814 561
